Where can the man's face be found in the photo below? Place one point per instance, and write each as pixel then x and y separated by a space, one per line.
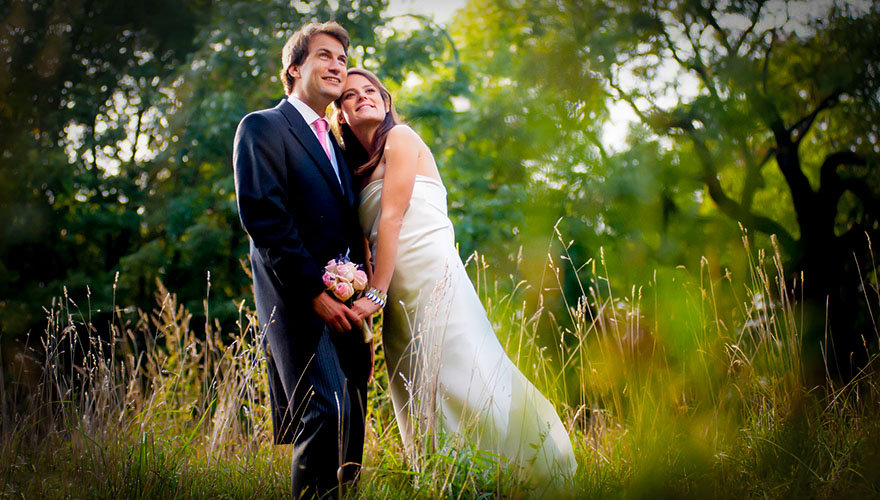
pixel 322 75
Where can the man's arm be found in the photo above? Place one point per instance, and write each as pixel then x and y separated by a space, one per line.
pixel 260 187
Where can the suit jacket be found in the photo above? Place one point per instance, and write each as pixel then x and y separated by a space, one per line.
pixel 297 218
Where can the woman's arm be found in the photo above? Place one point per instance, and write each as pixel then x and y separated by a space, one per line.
pixel 401 161
pixel 368 265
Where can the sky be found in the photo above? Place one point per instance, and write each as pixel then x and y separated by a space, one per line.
pixel 441 10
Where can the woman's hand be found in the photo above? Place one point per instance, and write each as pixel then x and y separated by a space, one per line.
pixel 364 308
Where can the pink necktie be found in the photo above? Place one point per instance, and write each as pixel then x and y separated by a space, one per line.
pixel 321 126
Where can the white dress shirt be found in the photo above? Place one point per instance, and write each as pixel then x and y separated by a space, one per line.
pixel 310 117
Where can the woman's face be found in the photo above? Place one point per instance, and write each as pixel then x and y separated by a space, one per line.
pixel 362 104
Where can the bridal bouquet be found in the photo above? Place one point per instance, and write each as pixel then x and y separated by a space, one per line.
pixel 346 281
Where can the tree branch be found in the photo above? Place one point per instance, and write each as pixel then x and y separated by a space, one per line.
pixel 137 131
pixel 696 65
pixel 752 24
pixel 766 64
pixel 709 16
pixel 727 205
pixel 870 202
pixel 832 187
pixel 626 97
pixel 829 181
pixel 800 128
pixel 753 174
pixel 788 161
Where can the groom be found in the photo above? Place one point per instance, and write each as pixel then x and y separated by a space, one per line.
pixel 297 204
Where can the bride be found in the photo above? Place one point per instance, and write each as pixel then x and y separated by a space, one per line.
pixel 447 370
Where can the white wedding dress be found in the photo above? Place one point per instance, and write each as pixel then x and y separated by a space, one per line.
pixel 447 369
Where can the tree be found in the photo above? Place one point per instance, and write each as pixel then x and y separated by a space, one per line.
pixel 764 113
pixel 79 84
pixel 800 95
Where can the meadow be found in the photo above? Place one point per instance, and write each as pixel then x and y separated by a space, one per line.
pixel 705 397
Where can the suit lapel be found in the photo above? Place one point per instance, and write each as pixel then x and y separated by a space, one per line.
pixel 303 133
pixel 344 174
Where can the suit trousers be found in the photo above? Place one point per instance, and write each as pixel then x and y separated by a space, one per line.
pixel 328 427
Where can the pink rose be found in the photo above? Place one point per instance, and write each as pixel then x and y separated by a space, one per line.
pixel 360 280
pixel 343 291
pixel 331 267
pixel 354 268
pixel 329 280
pixel 346 271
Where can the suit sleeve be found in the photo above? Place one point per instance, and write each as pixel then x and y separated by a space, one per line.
pixel 261 190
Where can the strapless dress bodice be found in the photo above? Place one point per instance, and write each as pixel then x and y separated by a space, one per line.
pixel 425 215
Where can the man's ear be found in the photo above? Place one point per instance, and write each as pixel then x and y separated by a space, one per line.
pixel 293 71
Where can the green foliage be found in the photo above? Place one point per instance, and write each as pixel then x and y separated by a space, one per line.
pixel 738 108
pixel 70 70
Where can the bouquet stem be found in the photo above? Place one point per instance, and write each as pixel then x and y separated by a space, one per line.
pixel 367 330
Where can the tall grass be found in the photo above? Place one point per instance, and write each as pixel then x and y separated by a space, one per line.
pixel 686 386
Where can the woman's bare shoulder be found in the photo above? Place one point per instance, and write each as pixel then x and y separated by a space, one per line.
pixel 402 135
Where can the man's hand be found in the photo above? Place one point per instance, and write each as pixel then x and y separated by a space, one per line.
pixel 336 314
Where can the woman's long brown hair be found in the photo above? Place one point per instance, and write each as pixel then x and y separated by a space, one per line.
pixel 366 159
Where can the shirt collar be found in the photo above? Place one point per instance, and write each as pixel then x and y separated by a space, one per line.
pixel 307 113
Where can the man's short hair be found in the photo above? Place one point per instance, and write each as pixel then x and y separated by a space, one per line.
pixel 296 49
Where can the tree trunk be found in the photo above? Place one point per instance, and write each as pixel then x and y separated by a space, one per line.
pixel 831 332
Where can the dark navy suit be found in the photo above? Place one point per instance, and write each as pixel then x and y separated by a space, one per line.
pixel 298 217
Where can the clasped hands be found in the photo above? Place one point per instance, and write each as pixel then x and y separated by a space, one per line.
pixel 339 316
